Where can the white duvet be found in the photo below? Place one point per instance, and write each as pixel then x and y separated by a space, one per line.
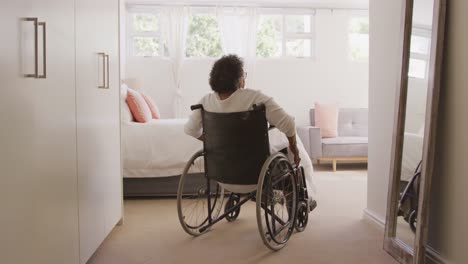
pixel 156 149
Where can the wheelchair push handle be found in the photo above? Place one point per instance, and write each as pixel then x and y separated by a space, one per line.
pixel 195 107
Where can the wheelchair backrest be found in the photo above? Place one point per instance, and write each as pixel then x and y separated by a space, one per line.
pixel 236 145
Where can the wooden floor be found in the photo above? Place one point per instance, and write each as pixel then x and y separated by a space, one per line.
pixel 336 232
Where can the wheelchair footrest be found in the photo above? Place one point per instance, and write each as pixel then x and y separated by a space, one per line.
pixel 312 205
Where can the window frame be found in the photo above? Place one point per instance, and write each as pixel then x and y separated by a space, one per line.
pixel 287 36
pixel 131 33
pixel 425 32
pixel 353 15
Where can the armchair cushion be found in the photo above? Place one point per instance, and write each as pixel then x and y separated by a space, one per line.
pixel 344 147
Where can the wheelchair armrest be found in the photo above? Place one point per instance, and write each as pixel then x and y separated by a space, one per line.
pixel 195 107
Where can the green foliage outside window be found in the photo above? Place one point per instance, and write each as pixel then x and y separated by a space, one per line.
pixel 145 22
pixel 359 25
pixel 269 37
pixel 146 42
pixel 146 46
pixel 203 38
pixel 359 38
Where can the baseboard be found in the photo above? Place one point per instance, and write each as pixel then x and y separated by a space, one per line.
pixel 355 159
pixel 374 218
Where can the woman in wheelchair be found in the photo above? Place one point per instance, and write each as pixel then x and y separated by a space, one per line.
pixel 242 159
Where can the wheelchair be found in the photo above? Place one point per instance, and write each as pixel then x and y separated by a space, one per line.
pixel 236 151
pixel 409 196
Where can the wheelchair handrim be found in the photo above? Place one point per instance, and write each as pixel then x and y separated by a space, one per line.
pixel 277 158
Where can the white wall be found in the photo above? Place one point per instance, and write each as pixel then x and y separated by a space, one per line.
pixel 448 230
pixel 385 17
pixel 295 83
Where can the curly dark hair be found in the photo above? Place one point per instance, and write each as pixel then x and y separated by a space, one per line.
pixel 226 74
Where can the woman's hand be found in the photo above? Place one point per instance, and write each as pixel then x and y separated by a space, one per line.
pixel 294 150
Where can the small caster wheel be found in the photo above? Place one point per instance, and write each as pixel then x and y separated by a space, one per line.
pixel 302 216
pixel 232 202
pixel 412 220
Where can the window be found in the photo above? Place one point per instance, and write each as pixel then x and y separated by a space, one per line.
pixel 359 38
pixel 286 34
pixel 419 53
pixel 144 33
pixel 203 38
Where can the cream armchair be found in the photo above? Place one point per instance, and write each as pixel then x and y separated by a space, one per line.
pixel 350 145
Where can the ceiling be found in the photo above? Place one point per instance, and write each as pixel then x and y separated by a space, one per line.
pixel 311 3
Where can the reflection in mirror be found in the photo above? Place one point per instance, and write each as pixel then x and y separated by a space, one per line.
pixel 414 121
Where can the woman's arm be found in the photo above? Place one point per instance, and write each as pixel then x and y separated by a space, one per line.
pixel 193 127
pixel 277 117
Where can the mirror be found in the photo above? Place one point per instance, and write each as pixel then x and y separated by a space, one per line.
pixel 411 158
pixel 414 129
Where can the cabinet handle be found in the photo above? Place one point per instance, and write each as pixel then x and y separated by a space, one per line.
pixel 44 53
pixel 103 86
pixel 107 66
pixel 36 47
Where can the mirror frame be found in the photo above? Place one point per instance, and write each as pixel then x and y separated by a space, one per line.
pixel 398 249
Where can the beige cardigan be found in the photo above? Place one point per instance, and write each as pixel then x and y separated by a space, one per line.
pixel 241 100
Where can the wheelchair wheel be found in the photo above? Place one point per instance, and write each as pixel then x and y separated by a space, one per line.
pixel 276 201
pixel 193 195
pixel 302 216
pixel 232 201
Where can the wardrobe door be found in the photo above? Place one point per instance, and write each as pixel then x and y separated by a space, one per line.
pixel 38 189
pixel 98 119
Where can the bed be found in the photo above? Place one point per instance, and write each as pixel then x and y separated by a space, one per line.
pixel 155 154
pixel 158 148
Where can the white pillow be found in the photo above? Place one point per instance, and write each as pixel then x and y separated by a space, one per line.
pixel 123 91
pixel 125 113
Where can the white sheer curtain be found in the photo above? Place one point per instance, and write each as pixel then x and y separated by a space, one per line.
pixel 238 30
pixel 174 30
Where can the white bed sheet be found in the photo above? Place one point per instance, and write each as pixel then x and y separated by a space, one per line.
pixel 412 155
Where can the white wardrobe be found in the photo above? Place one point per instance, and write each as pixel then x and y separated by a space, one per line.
pixel 60 169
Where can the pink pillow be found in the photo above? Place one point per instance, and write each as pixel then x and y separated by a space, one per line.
pixel 152 106
pixel 137 104
pixel 326 118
